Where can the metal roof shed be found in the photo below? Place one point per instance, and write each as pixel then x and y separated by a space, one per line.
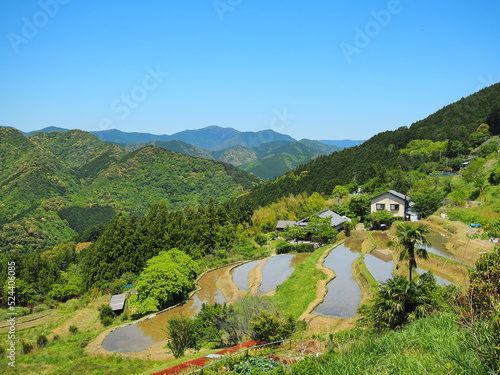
pixel 117 302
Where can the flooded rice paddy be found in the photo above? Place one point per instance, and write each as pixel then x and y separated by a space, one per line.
pixel 240 274
pixel 380 269
pixel 344 295
pixel 437 245
pixel 277 269
pixel 140 336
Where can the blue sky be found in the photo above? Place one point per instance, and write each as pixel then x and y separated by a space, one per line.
pixel 312 69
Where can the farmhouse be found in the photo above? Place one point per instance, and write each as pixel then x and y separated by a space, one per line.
pixel 336 221
pixel 399 204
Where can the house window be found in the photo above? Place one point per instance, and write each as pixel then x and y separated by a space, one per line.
pixel 380 206
pixel 394 207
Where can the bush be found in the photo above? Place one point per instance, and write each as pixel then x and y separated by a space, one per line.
pixel 260 239
pixel 272 326
pixel 106 315
pixel 26 347
pixel 182 335
pixel 285 247
pixel 41 341
pixel 73 329
pixel 55 338
pixel 40 308
pixel 107 321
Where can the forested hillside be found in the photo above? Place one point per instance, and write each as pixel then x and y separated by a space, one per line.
pixel 177 146
pixel 456 123
pixel 267 160
pixel 56 184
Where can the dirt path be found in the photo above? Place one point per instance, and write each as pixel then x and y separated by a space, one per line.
pixel 255 277
pixel 228 288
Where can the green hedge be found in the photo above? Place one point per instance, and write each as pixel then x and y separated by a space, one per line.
pixel 285 247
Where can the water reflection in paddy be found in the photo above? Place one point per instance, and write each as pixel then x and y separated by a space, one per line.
pixel 344 295
pixel 439 280
pixel 128 339
pixel 381 270
pixel 140 336
pixel 240 274
pixel 277 269
pixel 437 245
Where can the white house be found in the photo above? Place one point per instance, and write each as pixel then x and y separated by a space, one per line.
pixel 399 204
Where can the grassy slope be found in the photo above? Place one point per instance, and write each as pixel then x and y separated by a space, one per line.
pixel 299 290
pixel 433 345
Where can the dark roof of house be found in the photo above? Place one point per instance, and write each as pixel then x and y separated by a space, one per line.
pixel 282 224
pixel 335 220
pixel 117 301
pixel 396 194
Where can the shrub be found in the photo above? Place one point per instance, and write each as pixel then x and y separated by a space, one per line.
pixel 41 341
pixel 260 239
pixel 107 321
pixel 272 326
pixel 182 335
pixel 40 308
pixel 84 343
pixel 26 347
pixel 106 315
pixel 285 247
pixel 55 338
pixel 73 329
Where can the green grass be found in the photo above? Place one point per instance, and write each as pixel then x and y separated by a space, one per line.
pixel 433 345
pixel 364 274
pixel 65 356
pixel 299 290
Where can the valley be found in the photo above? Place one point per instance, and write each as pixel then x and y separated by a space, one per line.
pixel 195 246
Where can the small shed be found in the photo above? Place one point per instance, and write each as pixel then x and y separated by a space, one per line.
pixel 117 302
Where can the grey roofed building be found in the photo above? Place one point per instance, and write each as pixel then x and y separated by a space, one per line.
pixel 282 224
pixel 336 221
pixel 117 302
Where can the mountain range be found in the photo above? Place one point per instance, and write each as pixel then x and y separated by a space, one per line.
pixel 57 183
pixel 265 153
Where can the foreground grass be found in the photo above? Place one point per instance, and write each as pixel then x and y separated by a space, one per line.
pixel 66 356
pixel 300 289
pixel 433 345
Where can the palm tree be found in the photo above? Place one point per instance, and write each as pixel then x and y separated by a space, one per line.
pixel 408 235
pixel 399 301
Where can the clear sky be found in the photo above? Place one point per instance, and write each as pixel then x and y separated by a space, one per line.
pixel 317 69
